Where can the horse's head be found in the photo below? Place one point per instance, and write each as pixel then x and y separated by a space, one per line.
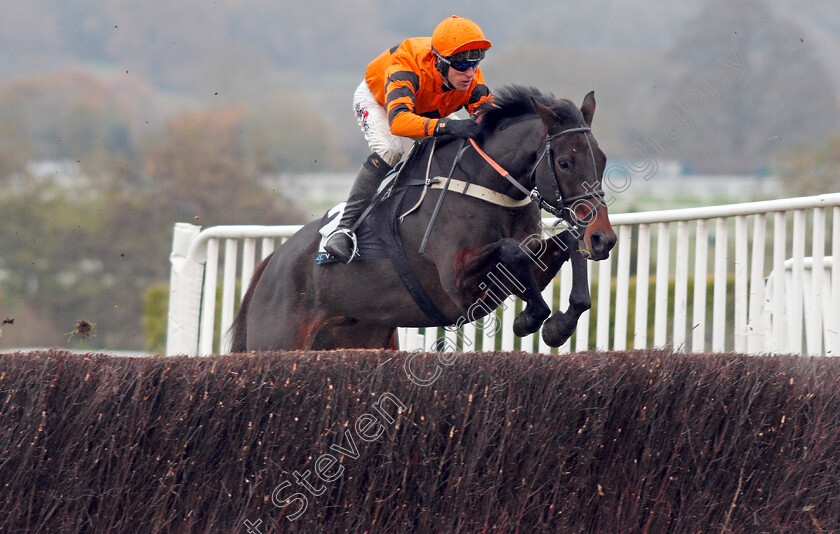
pixel 570 177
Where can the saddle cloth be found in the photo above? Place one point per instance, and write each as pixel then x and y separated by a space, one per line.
pixel 373 225
pixel 370 246
pixel 378 238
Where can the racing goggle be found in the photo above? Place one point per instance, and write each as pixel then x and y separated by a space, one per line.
pixel 464 61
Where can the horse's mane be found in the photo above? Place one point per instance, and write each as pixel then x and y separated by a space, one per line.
pixel 515 102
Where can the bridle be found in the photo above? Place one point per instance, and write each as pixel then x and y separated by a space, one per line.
pixel 562 204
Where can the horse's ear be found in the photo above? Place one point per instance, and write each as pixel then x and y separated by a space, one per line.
pixel 588 107
pixel 548 117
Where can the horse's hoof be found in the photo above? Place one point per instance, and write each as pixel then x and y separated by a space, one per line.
pixel 525 323
pixel 520 329
pixel 557 330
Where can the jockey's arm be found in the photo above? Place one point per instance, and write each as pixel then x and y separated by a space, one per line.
pixel 480 95
pixel 400 103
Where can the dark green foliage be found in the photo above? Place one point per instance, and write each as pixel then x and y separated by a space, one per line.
pixel 155 310
pixel 89 252
pixel 597 442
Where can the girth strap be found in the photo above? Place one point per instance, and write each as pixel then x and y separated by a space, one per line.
pixel 399 259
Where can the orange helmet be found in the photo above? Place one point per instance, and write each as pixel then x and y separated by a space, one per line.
pixel 457 34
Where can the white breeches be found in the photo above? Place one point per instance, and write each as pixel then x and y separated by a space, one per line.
pixel 373 119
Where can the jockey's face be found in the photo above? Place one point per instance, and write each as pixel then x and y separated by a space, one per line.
pixel 461 80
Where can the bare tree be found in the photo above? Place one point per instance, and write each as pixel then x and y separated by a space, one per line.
pixel 744 85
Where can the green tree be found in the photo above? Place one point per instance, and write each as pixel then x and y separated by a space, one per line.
pixel 15 149
pixel 51 260
pixel 90 252
pixel 202 170
pixel 284 134
pixel 71 114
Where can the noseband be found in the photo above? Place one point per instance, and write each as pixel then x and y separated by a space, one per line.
pixel 562 204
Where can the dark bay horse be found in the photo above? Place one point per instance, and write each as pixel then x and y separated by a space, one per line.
pixel 546 147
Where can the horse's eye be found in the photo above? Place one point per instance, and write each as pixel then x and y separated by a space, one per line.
pixel 564 164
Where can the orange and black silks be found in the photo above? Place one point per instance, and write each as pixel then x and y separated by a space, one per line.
pixel 412 91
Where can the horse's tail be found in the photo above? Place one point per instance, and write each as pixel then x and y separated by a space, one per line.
pixel 239 329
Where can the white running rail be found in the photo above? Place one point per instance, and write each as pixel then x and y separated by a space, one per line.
pixel 716 284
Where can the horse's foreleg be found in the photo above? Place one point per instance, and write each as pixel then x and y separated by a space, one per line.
pixel 561 325
pixel 498 270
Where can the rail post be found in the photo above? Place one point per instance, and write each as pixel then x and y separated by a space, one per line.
pixel 185 281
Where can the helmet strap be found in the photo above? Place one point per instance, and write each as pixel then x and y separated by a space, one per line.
pixel 442 66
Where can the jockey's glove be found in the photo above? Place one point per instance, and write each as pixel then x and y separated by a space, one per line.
pixel 457 127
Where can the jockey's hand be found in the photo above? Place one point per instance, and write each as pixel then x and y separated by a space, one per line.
pixel 458 128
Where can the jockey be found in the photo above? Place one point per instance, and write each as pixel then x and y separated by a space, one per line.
pixel 408 93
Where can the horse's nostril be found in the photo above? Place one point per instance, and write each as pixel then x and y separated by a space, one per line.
pixel 597 241
pixel 601 243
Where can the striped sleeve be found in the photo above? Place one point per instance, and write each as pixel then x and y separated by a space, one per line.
pixel 401 89
pixel 480 94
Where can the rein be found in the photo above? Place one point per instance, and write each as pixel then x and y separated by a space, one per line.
pixel 440 198
pixel 563 204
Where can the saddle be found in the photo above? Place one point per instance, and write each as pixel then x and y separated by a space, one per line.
pixel 370 246
pixel 378 237
pixel 372 224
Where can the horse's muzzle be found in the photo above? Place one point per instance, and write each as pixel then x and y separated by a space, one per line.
pixel 597 245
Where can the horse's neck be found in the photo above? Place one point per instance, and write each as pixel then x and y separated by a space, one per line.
pixel 513 149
